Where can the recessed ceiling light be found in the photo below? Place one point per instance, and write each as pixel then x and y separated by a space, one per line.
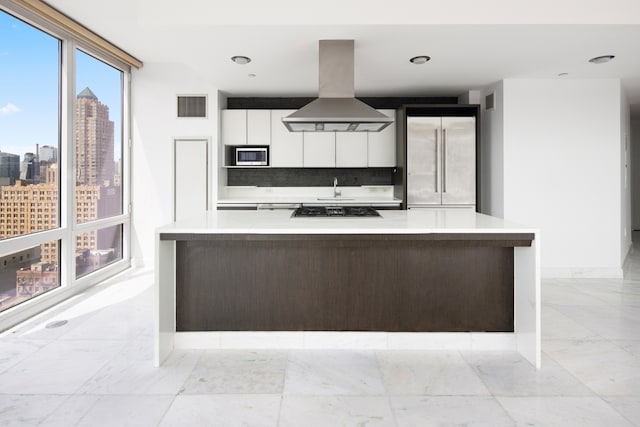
pixel 601 59
pixel 422 59
pixel 562 74
pixel 241 59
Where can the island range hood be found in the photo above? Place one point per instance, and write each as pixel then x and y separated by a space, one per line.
pixel 336 108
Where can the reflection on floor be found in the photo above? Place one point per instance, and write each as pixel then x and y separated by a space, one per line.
pixel 96 370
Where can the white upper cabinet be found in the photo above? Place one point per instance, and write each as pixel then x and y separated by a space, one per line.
pixel 234 127
pixel 382 145
pixel 242 127
pixel 351 149
pixel 259 127
pixel 286 147
pixel 319 149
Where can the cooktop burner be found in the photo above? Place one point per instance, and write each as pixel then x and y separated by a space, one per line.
pixel 336 211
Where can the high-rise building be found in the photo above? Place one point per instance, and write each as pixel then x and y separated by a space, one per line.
pixel 29 169
pixel 94 141
pixel 48 153
pixel 9 168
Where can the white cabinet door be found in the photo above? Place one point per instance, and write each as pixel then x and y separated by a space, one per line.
pixel 319 149
pixel 234 127
pixel 382 145
pixel 351 149
pixel 190 195
pixel 286 147
pixel 258 127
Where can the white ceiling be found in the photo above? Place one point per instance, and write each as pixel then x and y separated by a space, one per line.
pixel 470 46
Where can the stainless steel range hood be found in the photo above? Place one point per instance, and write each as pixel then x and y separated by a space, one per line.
pixel 336 109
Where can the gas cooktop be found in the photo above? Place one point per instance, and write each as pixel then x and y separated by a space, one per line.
pixel 336 211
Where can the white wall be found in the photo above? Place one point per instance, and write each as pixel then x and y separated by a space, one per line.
pixel 154 127
pixel 562 170
pixel 492 153
pixel 625 177
pixel 635 172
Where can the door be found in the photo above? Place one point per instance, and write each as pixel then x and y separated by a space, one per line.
pixel 458 161
pixel 190 193
pixel 382 145
pixel 319 149
pixel 351 149
pixel 423 181
pixel 286 147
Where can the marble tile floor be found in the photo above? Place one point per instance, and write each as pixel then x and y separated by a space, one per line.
pixel 97 371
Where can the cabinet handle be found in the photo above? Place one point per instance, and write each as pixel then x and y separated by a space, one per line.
pixel 444 160
pixel 435 132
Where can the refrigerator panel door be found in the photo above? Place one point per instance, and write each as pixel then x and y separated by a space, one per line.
pixel 458 160
pixel 423 166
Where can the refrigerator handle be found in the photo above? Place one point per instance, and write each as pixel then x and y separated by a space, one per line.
pixel 444 160
pixel 435 131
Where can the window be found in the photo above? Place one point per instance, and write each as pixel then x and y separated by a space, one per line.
pixel 46 226
pixel 29 119
pixel 29 273
pixel 98 137
pixel 97 249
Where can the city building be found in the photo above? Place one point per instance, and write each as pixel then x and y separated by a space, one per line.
pixel 48 153
pixel 9 168
pixel 29 168
pixel 36 279
pixel 94 141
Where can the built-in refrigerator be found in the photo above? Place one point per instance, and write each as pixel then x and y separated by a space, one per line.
pixel 441 161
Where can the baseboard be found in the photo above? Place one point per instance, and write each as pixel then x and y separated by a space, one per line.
pixel 581 273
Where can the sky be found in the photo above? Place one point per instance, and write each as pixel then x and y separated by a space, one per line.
pixel 29 87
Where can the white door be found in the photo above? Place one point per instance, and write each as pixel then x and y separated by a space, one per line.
pixel 351 149
pixel 190 193
pixel 382 145
pixel 319 149
pixel 286 147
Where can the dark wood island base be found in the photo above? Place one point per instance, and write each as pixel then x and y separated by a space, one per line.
pixel 441 282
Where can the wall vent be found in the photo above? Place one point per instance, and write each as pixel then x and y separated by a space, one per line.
pixel 192 106
pixel 489 101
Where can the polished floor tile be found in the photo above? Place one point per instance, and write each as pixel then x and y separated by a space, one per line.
pixel 509 374
pixel 436 411
pixel 322 411
pixel 126 411
pixel 428 373
pixel 601 365
pixel 629 407
pixel 325 372
pixel 253 410
pixel 27 410
pixel 123 375
pixel 238 372
pixel 563 412
pixel 58 368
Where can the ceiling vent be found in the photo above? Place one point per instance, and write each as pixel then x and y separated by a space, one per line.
pixel 489 101
pixel 192 106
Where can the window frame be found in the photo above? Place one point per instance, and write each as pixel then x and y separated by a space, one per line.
pixel 68 230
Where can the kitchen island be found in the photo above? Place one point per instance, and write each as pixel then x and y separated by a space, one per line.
pixel 423 278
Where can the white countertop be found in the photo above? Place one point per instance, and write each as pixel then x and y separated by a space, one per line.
pixel 378 195
pixel 414 221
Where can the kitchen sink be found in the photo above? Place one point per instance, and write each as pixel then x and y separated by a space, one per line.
pixel 334 198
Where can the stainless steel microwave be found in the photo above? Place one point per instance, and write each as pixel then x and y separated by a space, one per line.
pixel 252 156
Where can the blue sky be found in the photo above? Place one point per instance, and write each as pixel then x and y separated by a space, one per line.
pixel 29 86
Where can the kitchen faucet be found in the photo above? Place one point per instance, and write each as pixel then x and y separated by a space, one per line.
pixel 336 192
